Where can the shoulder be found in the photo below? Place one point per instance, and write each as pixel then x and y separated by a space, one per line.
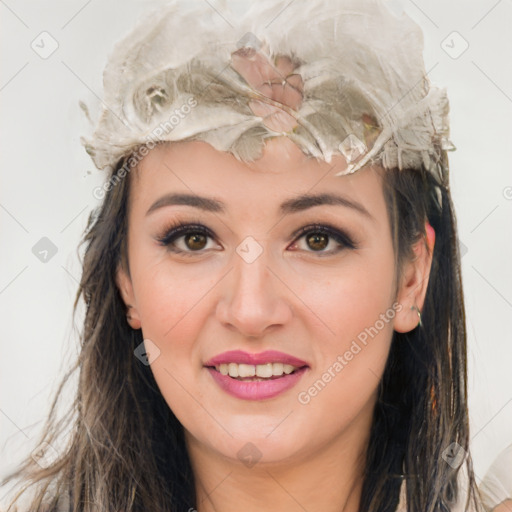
pixel 402 504
pixel 496 485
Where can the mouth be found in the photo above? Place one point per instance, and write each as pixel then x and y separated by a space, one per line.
pixel 256 373
pixel 256 376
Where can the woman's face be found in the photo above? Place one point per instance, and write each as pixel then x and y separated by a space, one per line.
pixel 265 281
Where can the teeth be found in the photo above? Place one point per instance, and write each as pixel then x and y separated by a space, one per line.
pixel 264 371
pixel 277 369
pixel 246 370
pixel 233 369
pixel 288 368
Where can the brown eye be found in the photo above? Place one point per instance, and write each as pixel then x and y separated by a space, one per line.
pixel 318 241
pixel 317 238
pixel 186 239
pixel 195 241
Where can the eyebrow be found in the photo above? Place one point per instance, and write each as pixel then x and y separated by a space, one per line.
pixel 294 205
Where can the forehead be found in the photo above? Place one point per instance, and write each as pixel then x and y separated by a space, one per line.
pixel 282 172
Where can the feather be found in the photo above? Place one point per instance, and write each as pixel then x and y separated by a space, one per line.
pixel 358 69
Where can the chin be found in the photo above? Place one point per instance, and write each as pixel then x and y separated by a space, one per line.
pixel 259 439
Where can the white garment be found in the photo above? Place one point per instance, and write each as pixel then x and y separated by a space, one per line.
pixel 497 483
pixel 463 493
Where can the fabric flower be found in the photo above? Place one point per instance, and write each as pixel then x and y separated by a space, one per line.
pixel 277 81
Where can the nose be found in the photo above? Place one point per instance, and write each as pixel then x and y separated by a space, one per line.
pixel 255 299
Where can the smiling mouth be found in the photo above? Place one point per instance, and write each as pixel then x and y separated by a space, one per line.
pixel 256 373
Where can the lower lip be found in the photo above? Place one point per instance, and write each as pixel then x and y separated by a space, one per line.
pixel 256 390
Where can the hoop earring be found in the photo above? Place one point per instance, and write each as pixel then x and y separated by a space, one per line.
pixel 419 315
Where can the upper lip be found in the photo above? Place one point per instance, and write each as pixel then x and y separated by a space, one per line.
pixel 241 357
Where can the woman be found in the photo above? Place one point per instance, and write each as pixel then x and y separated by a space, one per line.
pixel 275 317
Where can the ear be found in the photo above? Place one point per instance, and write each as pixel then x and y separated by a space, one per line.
pixel 414 282
pixel 124 284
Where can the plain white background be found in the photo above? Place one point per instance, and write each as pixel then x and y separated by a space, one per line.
pixel 47 183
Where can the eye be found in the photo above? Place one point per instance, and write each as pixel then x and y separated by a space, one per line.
pixel 189 238
pixel 318 237
pixel 186 238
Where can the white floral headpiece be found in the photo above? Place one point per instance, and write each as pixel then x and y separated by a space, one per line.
pixel 335 76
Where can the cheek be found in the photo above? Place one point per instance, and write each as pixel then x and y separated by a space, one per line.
pixel 359 311
pixel 354 297
pixel 173 310
pixel 167 296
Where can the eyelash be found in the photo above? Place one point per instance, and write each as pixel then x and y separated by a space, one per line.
pixel 178 229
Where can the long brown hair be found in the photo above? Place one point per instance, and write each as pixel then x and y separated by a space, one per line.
pixel 126 450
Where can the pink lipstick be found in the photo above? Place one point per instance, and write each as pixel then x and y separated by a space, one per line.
pixel 256 376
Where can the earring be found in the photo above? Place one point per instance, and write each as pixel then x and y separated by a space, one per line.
pixel 419 315
pixel 128 316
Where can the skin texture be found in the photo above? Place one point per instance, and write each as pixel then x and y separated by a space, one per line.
pixel 504 506
pixel 291 299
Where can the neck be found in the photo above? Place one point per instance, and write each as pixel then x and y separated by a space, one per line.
pixel 329 478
